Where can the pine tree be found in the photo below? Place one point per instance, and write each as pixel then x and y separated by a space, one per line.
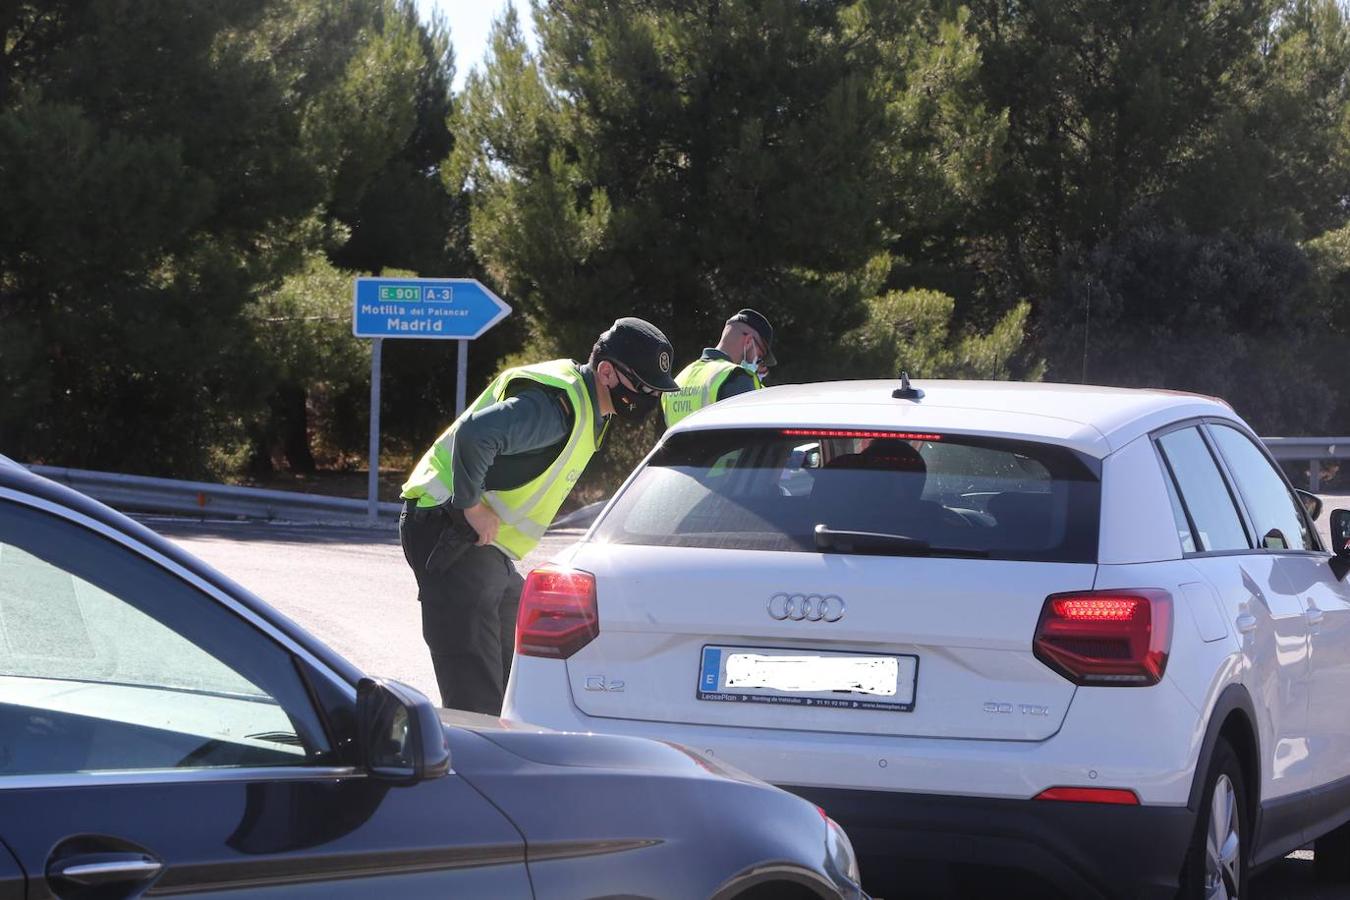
pixel 675 162
pixel 163 165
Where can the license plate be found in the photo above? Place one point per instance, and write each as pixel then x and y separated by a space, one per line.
pixel 808 678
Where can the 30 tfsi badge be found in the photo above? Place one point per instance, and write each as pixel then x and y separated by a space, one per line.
pixel 830 679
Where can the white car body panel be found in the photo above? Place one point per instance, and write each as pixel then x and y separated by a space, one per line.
pixel 1326 611
pixel 1133 496
pixel 1276 668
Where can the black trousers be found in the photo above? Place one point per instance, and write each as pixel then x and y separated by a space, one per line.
pixel 469 597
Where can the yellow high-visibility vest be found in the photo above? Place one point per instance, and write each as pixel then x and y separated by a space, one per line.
pixel 528 510
pixel 699 383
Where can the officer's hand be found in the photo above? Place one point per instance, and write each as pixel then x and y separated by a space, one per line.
pixel 484 521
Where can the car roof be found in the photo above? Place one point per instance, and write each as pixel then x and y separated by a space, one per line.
pixel 1088 418
pixel 17 479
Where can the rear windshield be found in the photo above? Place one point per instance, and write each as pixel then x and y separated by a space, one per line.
pixel 758 489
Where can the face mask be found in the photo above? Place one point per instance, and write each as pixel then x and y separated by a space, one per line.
pixel 752 364
pixel 630 404
pixel 747 363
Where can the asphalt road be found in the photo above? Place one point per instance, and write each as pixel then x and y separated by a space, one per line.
pixel 347 585
pixel 351 587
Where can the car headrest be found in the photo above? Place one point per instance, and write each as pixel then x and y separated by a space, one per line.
pixel 883 454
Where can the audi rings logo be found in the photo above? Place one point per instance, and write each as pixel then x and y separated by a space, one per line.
pixel 806 607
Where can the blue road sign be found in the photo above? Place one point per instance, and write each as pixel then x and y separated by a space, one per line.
pixel 434 308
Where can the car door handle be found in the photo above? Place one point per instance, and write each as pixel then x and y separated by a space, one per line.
pixel 95 869
pixel 1246 623
pixel 1314 616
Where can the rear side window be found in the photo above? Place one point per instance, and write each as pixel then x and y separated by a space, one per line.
pixel 768 489
pixel 1275 511
pixel 1208 520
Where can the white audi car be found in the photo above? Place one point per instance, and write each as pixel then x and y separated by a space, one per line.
pixel 1087 639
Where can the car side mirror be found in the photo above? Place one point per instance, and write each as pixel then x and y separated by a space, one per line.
pixel 398 733
pixel 1311 502
pixel 1340 532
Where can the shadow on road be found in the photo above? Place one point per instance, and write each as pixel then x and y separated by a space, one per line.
pixel 1292 879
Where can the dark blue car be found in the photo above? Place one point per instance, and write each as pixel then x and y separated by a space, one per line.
pixel 163 731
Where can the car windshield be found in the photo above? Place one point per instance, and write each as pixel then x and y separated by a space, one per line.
pixel 835 490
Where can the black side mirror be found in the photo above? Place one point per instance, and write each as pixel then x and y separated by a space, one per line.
pixel 399 735
pixel 1311 502
pixel 1340 532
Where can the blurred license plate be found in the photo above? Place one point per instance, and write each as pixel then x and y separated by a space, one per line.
pixel 808 678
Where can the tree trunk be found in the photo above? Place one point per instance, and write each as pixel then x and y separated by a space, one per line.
pixel 292 413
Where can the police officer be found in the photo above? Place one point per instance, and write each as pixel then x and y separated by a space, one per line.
pixel 739 363
pixel 482 496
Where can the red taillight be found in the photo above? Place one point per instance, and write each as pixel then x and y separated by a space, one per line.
pixel 1106 638
pixel 1097 609
pixel 558 614
pixel 1116 796
pixel 852 433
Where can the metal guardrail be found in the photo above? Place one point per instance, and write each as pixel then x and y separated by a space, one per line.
pixel 582 517
pixel 139 493
pixel 1312 449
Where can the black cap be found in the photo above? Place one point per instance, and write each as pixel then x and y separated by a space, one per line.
pixel 761 327
pixel 639 346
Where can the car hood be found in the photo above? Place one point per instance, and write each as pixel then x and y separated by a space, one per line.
pixel 586 750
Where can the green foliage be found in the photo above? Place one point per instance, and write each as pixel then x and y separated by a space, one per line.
pixel 943 144
pixel 1220 113
pixel 1219 314
pixel 142 153
pixel 1160 160
pixel 301 331
pixel 1329 254
pixel 676 163
pixel 163 165
pixel 911 331
pixel 1277 156
pixel 399 215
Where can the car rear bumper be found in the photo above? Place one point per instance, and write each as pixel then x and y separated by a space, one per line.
pixel 1031 847
pixel 1157 764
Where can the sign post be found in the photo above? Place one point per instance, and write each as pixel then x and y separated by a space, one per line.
pixel 462 379
pixel 373 479
pixel 458 309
